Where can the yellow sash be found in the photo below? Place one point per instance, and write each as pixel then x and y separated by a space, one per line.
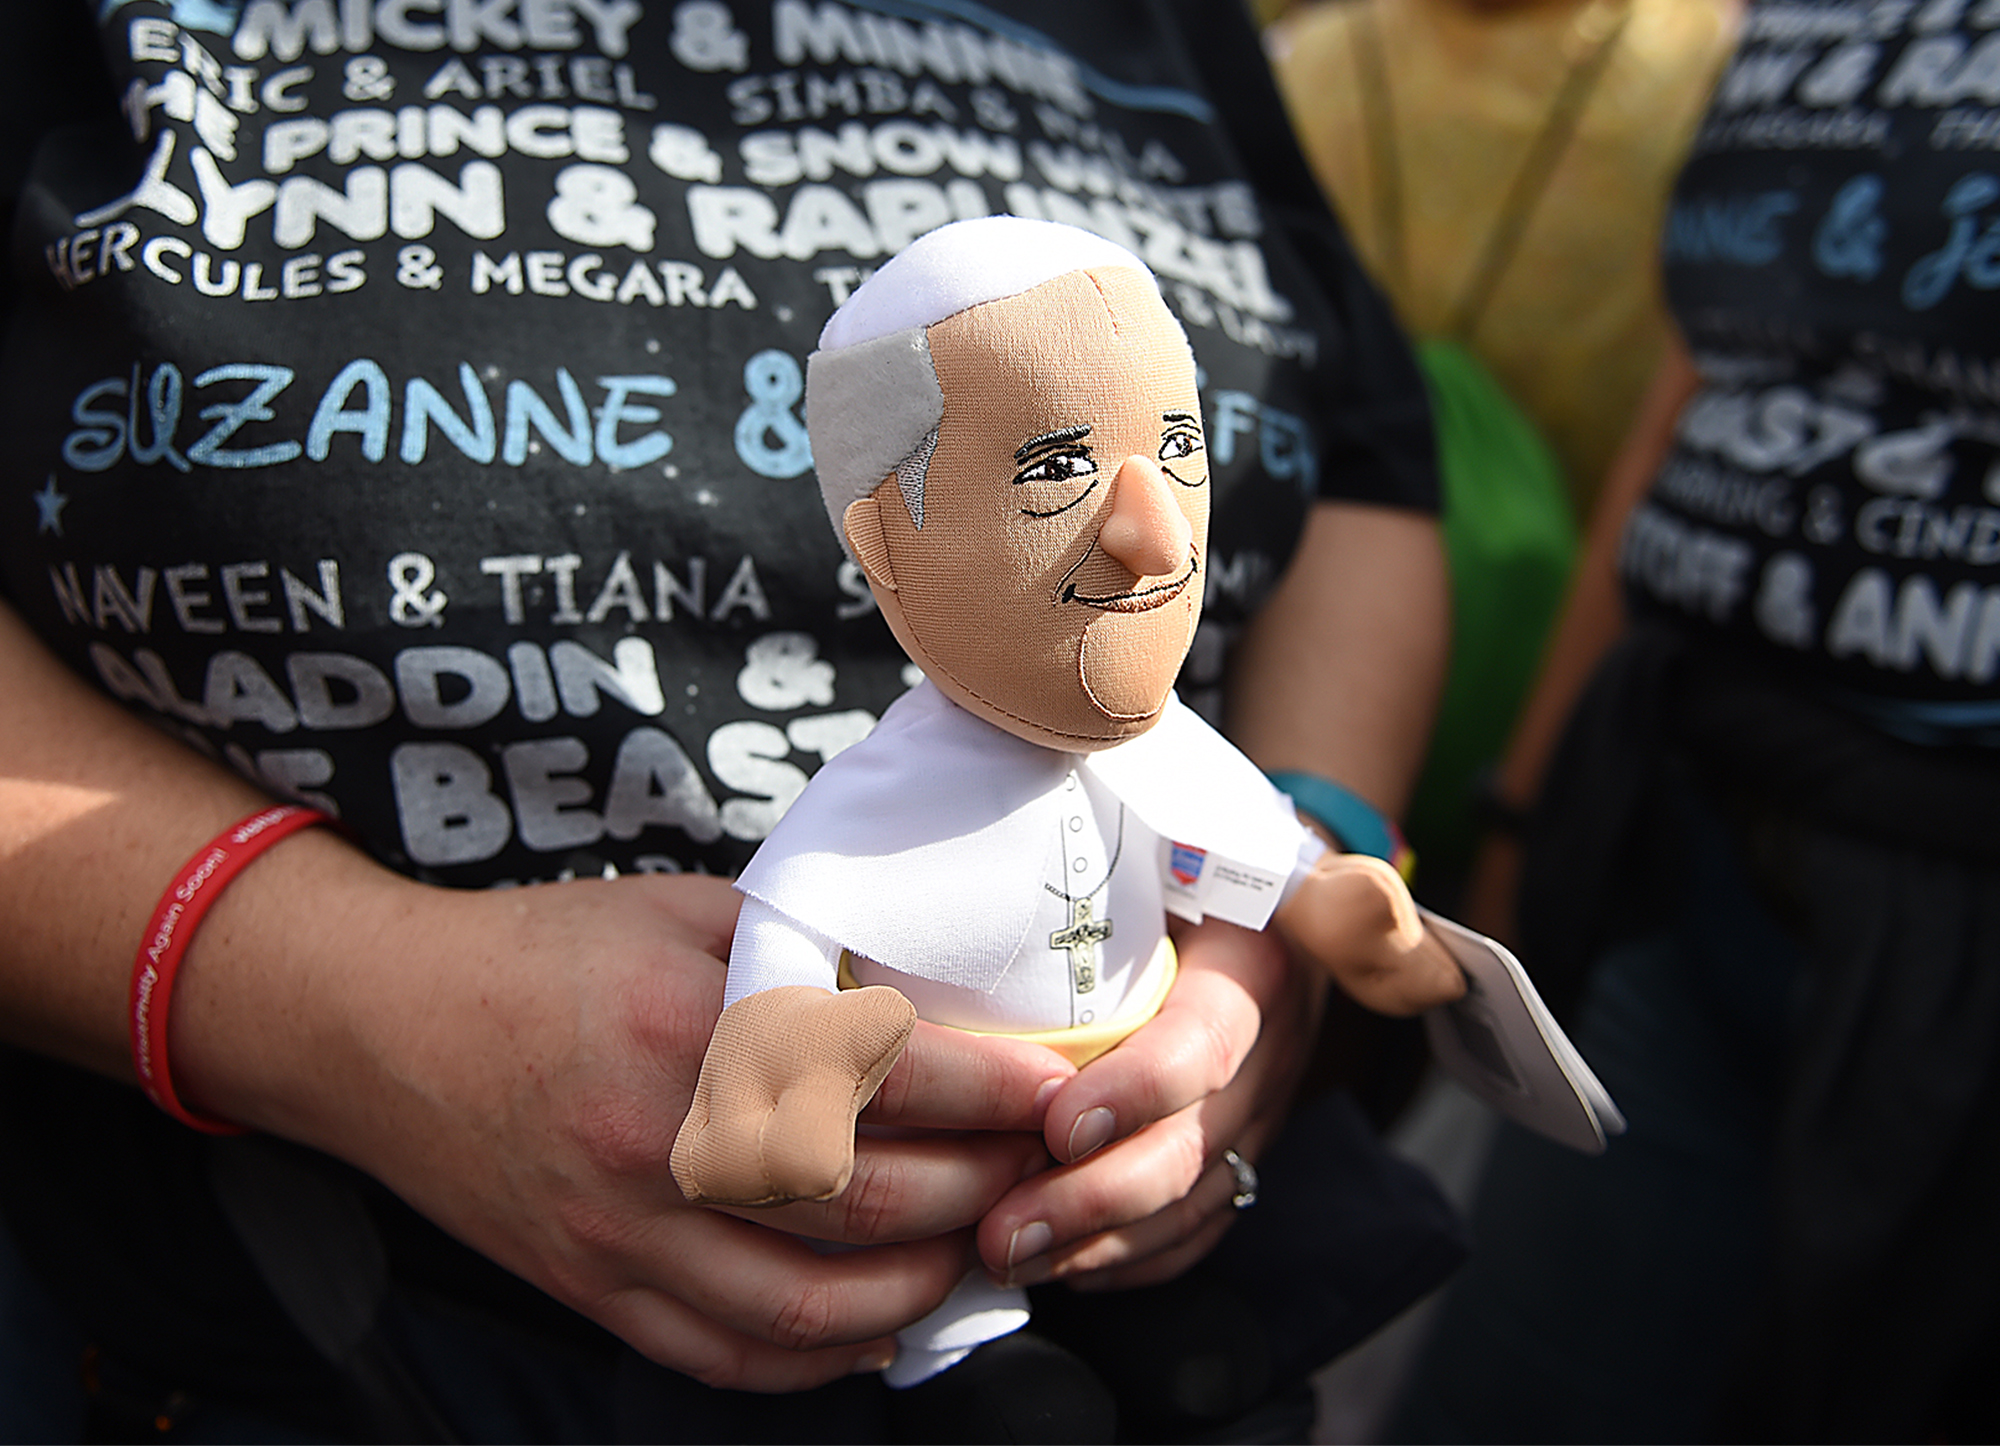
pixel 1079 1043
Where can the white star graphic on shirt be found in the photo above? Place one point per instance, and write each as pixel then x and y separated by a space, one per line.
pixel 50 504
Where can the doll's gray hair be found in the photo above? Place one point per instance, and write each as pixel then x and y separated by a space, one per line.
pixel 873 403
pixel 871 409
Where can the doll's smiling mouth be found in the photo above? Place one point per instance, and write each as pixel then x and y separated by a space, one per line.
pixel 1144 599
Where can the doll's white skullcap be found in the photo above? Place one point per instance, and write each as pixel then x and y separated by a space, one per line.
pixel 966 264
pixel 873 404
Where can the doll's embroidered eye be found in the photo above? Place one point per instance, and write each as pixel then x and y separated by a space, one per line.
pixel 1062 467
pixel 1182 438
pixel 1059 457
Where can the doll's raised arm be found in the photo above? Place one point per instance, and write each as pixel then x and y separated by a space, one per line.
pixel 1353 914
pixel 771 950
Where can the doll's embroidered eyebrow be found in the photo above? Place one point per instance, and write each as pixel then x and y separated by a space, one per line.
pixel 1050 439
pixel 1181 418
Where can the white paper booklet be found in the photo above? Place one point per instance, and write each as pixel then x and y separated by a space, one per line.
pixel 1502 1044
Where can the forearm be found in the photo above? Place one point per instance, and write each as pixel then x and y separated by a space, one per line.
pixel 97 813
pixel 1594 613
pixel 1340 673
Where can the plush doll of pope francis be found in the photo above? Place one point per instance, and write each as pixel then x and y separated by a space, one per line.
pixel 1008 438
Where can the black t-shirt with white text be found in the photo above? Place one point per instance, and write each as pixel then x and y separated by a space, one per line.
pixel 403 406
pixel 405 400
pixel 1831 506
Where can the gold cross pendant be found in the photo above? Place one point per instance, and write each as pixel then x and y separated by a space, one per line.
pixel 1080 940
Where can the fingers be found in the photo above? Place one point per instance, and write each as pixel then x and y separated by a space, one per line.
pixel 1189 1050
pixel 948 1079
pixel 1154 1249
pixel 1215 1068
pixel 1491 889
pixel 1136 1180
pixel 680 1338
pixel 774 1289
pixel 910 1189
pixel 1151 1267
pixel 1146 1194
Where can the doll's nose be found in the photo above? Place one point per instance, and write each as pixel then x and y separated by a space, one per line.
pixel 1146 531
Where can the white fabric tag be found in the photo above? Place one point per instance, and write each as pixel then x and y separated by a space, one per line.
pixel 1230 838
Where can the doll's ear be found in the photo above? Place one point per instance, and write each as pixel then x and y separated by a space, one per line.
pixel 863 525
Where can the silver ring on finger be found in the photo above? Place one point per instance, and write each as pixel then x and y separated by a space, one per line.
pixel 1246 1180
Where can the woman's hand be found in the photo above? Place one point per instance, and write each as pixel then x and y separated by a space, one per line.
pixel 1143 1191
pixel 516 1065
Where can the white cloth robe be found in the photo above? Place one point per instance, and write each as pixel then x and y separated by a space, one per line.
pixel 936 850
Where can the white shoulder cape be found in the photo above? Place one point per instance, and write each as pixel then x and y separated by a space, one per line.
pixel 924 846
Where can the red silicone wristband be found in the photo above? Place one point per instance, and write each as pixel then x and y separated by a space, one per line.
pixel 200 881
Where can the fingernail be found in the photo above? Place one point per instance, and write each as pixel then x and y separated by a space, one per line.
pixel 875 1361
pixel 1093 1128
pixel 1027 1242
pixel 1047 1092
pixel 1027 1254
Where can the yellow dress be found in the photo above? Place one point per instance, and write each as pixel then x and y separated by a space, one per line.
pixel 1575 326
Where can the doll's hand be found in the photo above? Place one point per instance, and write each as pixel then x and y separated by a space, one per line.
pixel 950 1095
pixel 1147 1192
pixel 786 1073
pixel 1354 915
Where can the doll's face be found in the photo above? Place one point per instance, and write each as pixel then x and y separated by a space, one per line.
pixel 1056 582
